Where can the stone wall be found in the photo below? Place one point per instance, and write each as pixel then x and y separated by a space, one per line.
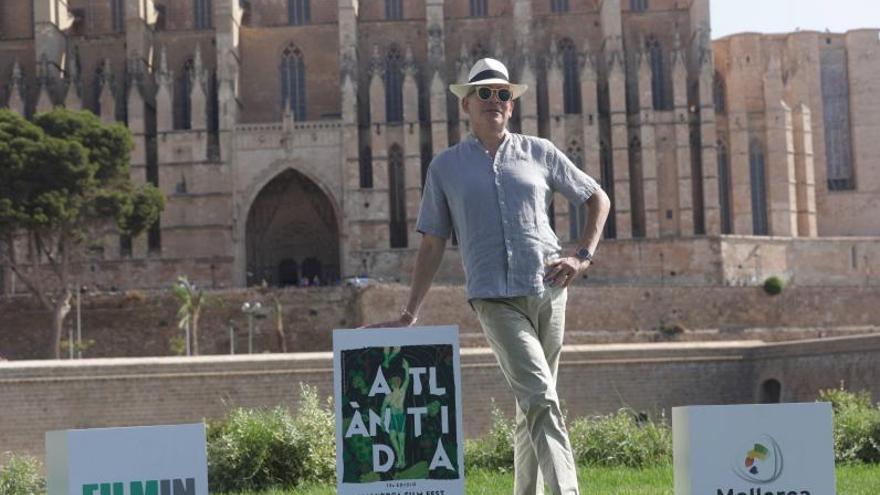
pixel 43 396
pixel 136 323
pixel 694 261
pixel 639 314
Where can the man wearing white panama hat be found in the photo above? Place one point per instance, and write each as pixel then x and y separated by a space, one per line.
pixel 494 189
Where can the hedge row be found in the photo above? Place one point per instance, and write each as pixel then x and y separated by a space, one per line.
pixel 253 450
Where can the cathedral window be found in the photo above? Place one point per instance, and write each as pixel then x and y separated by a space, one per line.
pixel 202 14
pixel 154 238
pixel 479 8
pixel 576 212
pixel 658 77
pixel 427 155
pixel 724 188
pixel 571 88
pixel 394 85
pixel 559 6
pixel 636 192
pixel 397 197
pixel 607 181
pixel 125 246
pixel 638 5
pixel 719 93
pixel 293 82
pixel 394 9
pixel 835 98
pixel 97 87
pixel 117 12
pixel 365 168
pixel 757 178
pixel 161 17
pixel 298 12
pixel 184 102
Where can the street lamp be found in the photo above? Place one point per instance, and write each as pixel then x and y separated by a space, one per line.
pixel 79 344
pixel 253 310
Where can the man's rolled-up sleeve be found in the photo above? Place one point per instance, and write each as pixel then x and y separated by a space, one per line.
pixel 568 179
pixel 434 216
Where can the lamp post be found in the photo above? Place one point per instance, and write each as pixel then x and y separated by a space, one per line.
pixel 79 339
pixel 187 339
pixel 252 310
pixel 79 343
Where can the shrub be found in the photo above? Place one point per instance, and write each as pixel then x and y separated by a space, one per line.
pixel 177 345
pixel 21 476
pixel 78 347
pixel 773 285
pixel 856 426
pixel 671 330
pixel 258 449
pixel 621 439
pixel 495 450
pixel 133 296
pixel 317 424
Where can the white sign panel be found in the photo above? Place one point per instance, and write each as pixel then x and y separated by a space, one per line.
pixel 767 449
pixel 398 411
pixel 143 460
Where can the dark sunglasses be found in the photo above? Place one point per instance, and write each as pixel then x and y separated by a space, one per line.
pixel 485 93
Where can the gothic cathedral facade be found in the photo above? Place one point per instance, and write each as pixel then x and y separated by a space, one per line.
pixel 291 137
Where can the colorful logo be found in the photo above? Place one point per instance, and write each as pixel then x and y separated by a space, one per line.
pixel 762 462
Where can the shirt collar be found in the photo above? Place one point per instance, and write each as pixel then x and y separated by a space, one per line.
pixel 472 138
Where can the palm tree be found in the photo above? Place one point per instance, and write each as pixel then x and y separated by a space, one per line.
pixel 191 299
pixel 279 323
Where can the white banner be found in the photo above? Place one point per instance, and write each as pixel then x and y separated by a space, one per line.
pixel 398 411
pixel 142 460
pixel 767 449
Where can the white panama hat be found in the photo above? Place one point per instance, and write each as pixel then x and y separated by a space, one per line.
pixel 484 72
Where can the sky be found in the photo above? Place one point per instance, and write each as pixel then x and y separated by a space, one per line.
pixel 782 16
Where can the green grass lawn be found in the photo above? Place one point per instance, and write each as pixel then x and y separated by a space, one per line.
pixel 851 480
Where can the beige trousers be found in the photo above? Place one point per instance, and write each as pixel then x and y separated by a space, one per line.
pixel 525 333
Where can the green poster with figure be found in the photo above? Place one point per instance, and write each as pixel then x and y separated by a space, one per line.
pixel 398 411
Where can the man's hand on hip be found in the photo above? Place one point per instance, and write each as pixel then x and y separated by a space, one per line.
pixel 561 272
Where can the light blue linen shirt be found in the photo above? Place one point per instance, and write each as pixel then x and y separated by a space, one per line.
pixel 499 210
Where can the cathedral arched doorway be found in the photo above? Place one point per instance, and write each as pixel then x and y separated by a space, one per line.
pixel 292 235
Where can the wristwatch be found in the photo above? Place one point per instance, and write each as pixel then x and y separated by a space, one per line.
pixel 584 254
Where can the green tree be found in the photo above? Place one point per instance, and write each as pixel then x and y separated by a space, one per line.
pixel 191 299
pixel 64 180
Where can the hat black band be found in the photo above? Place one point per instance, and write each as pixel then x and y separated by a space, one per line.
pixel 488 74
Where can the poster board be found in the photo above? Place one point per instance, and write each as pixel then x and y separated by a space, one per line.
pixel 753 449
pixel 398 411
pixel 160 460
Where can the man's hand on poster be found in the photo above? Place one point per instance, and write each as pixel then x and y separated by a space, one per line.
pixel 562 272
pixel 404 320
